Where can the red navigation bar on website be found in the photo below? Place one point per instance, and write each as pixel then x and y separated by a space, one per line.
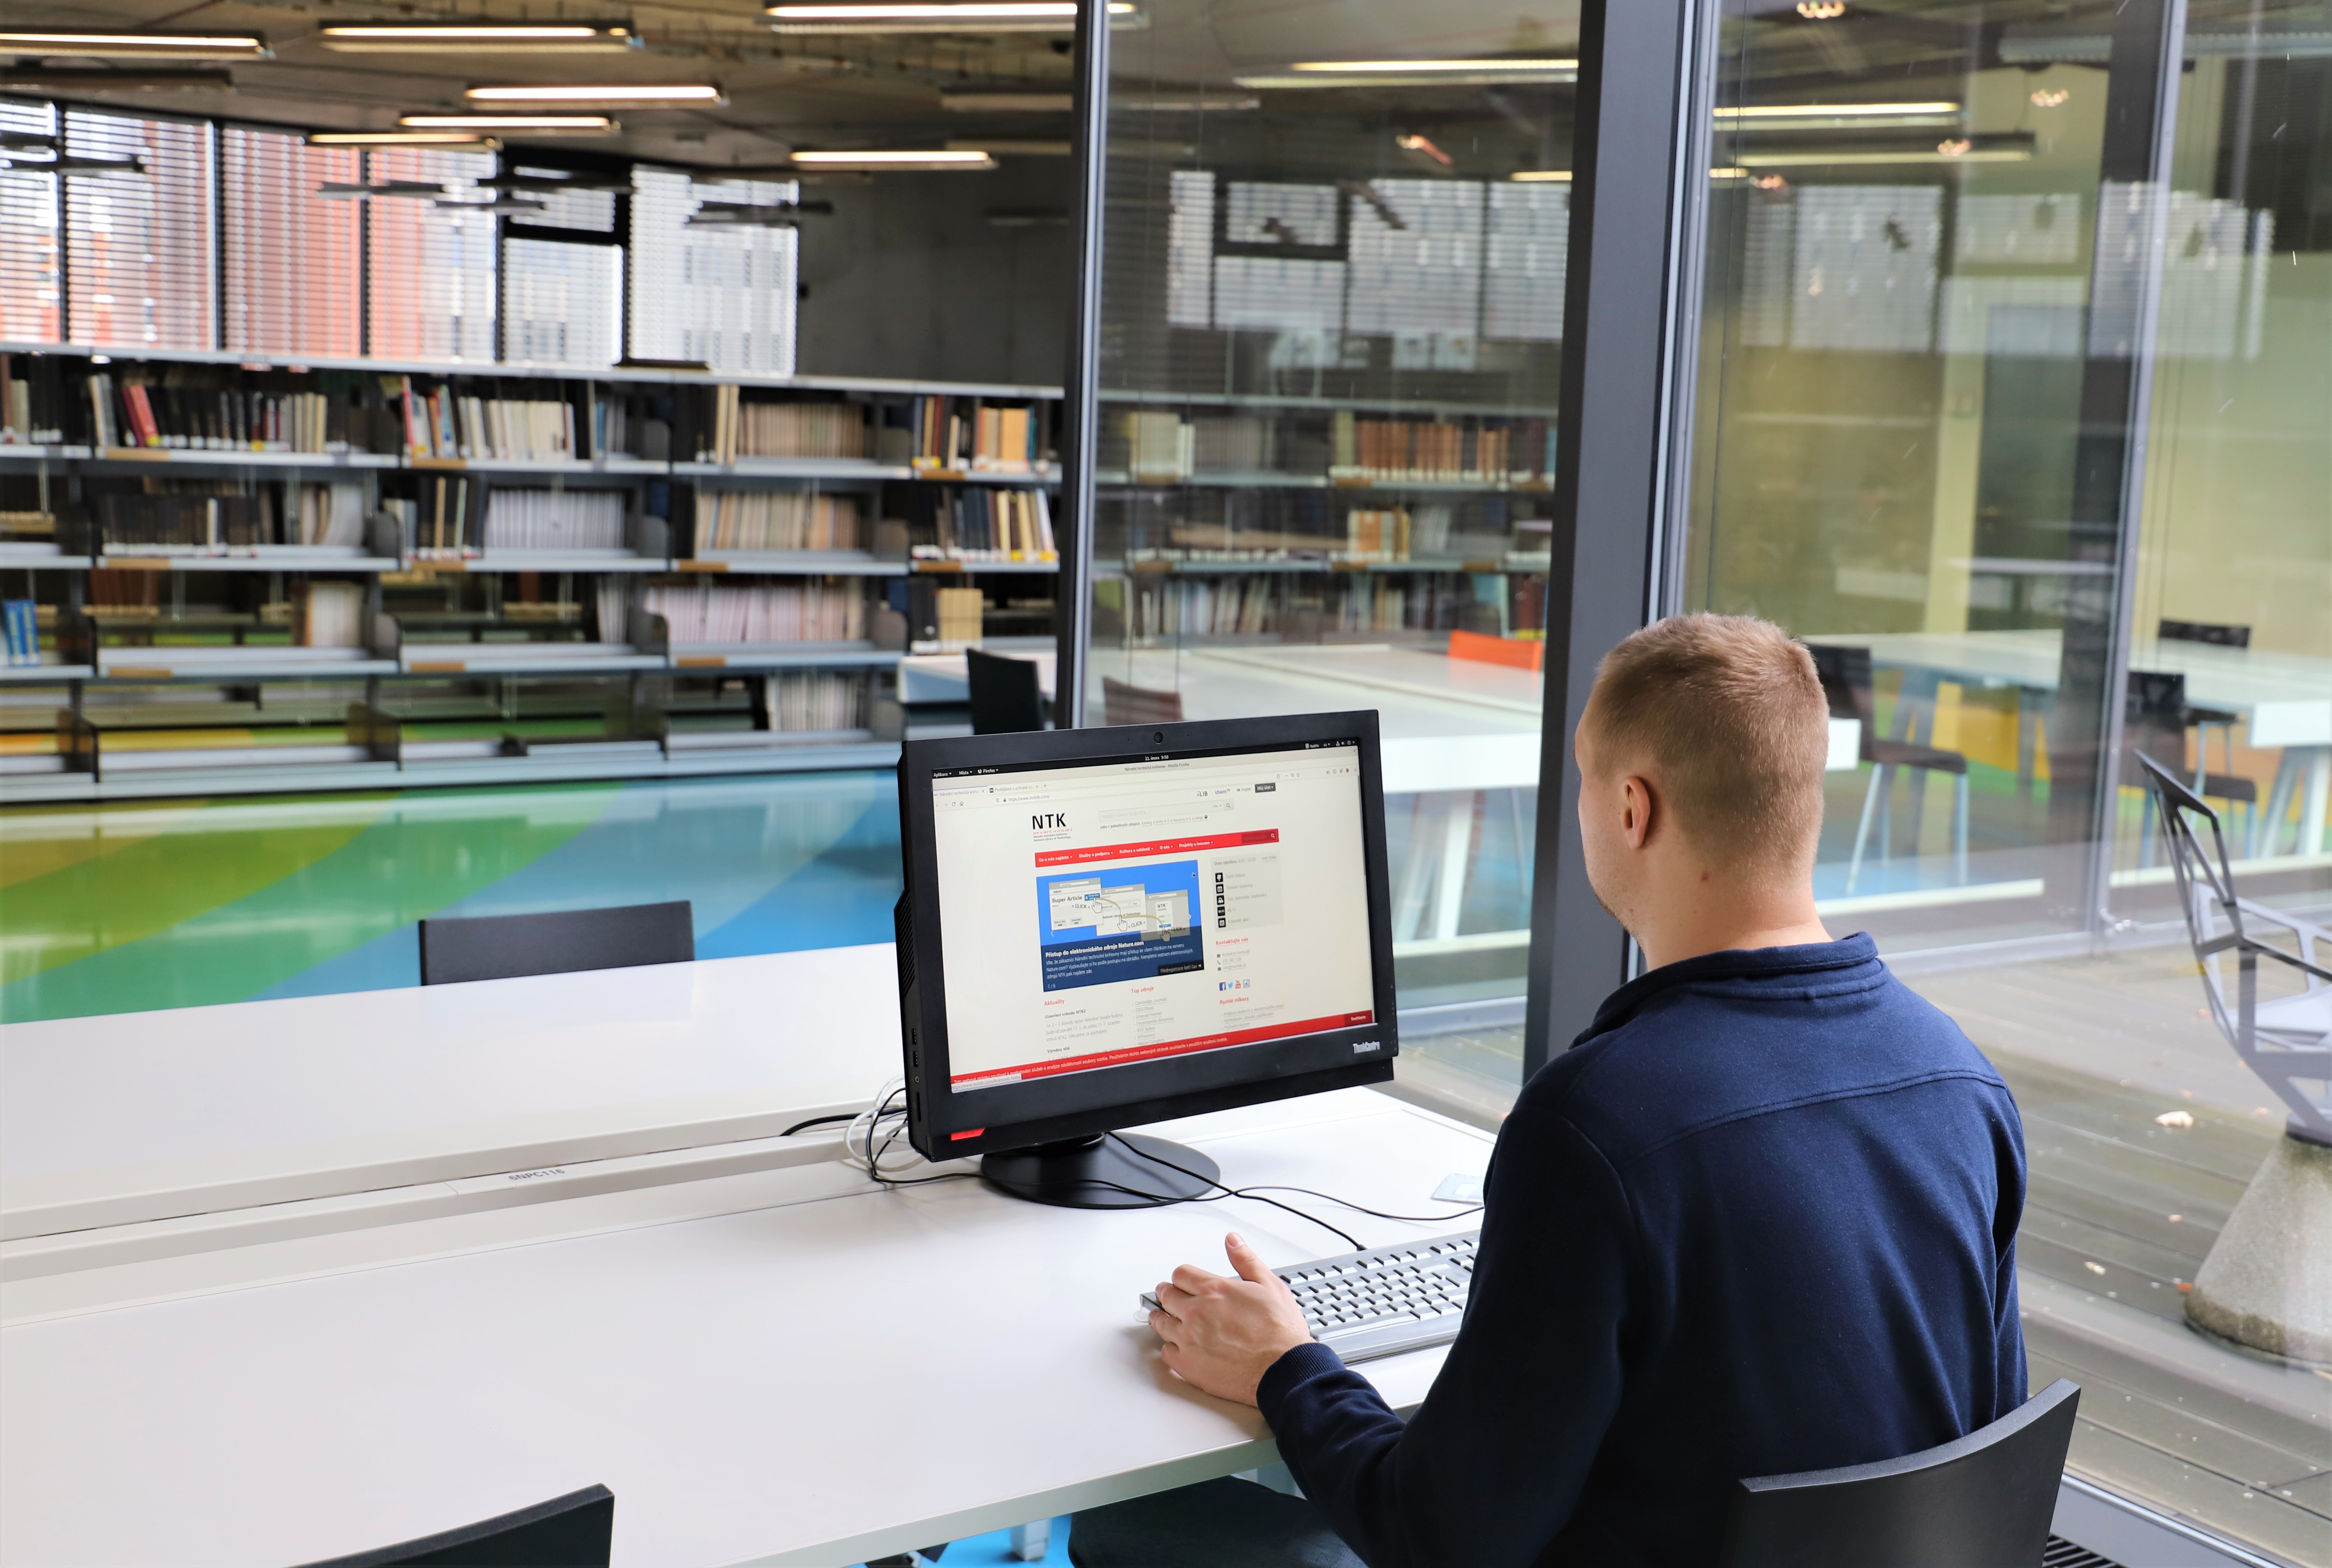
pixel 1157 846
pixel 1162 1048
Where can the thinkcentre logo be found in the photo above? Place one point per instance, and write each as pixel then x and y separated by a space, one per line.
pixel 1048 819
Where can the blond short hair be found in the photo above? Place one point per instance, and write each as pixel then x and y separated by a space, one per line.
pixel 1727 715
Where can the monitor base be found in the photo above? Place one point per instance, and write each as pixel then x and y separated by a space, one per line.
pixel 1100 1174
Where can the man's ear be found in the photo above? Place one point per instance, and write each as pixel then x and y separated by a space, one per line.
pixel 1639 807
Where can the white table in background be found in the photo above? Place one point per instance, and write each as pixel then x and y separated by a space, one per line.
pixel 2285 699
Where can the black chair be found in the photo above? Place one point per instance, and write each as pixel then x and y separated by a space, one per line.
pixel 1005 698
pixel 1985 1498
pixel 576 1531
pixel 1123 702
pixel 2155 720
pixel 1848 683
pixel 501 946
pixel 2226 786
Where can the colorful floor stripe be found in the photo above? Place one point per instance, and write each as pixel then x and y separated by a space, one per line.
pixel 127 908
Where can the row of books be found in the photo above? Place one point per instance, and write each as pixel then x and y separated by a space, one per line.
pixel 327 514
pixel 435 524
pixel 983 524
pixel 813 700
pixel 327 615
pixel 19 622
pixel 976 434
pixel 807 612
pixel 776 519
pixel 183 524
pixel 29 396
pixel 1253 606
pixel 441 423
pixel 742 429
pixel 555 518
pixel 959 614
pixel 1478 450
pixel 136 413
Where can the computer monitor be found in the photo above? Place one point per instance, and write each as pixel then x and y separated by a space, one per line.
pixel 1108 927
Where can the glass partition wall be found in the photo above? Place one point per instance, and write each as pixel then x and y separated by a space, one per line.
pixel 1329 351
pixel 2015 402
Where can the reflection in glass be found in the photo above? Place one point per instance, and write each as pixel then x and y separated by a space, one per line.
pixel 1331 341
pixel 2015 402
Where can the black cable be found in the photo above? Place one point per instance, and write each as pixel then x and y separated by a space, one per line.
pixel 1230 1191
pixel 1363 1209
pixel 821 1122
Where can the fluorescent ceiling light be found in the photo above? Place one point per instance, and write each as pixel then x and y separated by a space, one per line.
pixel 1732 173
pixel 953 158
pixel 1818 112
pixel 401 138
pixel 477 37
pixel 1541 176
pixel 1008 102
pixel 572 124
pixel 1308 73
pixel 135 45
pixel 613 97
pixel 1182 102
pixel 1815 157
pixel 934 17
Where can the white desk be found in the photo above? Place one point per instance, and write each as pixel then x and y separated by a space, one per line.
pixel 137 1116
pixel 764 1368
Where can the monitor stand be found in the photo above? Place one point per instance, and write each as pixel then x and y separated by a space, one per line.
pixel 1100 1172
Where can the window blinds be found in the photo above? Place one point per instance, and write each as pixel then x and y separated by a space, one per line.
pixel 140 247
pixel 29 303
pixel 288 256
pixel 561 303
pixel 720 296
pixel 432 283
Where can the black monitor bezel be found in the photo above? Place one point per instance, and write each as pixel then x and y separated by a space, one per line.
pixel 944 1123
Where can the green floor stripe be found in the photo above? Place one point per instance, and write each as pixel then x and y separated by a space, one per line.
pixel 214 857
pixel 417 856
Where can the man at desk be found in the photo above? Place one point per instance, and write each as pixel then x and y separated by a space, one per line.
pixel 1760 1217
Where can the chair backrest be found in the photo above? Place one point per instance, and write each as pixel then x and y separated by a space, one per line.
pixel 2153 717
pixel 561 941
pixel 1987 1497
pixel 1846 681
pixel 2204 632
pixel 1126 704
pixel 1005 697
pixel 576 1531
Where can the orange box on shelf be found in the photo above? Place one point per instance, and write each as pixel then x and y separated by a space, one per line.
pixel 1517 652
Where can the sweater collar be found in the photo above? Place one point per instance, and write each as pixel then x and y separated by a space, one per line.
pixel 1735 963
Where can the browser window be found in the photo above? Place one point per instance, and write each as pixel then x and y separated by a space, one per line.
pixel 1110 913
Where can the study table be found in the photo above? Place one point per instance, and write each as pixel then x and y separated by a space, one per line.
pixel 767 1360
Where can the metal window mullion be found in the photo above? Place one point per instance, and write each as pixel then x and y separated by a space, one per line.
pixel 1080 410
pixel 1639 189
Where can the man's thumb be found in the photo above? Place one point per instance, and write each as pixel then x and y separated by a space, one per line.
pixel 1244 1259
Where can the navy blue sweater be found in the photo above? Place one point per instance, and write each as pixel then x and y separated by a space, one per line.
pixel 1760 1217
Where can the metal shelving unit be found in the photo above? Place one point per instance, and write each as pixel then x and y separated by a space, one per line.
pixel 103 659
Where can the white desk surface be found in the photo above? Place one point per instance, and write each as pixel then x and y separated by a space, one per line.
pixel 760 1370
pixel 138 1115
pixel 2294 690
pixel 1446 723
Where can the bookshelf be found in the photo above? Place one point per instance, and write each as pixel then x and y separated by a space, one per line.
pixel 437 572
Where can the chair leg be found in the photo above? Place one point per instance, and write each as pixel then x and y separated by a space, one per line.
pixel 2145 830
pixel 1862 831
pixel 1886 813
pixel 1960 828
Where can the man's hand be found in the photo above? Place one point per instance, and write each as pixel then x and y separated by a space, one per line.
pixel 1223 1334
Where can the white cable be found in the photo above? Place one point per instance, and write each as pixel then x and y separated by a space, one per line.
pixel 860 1147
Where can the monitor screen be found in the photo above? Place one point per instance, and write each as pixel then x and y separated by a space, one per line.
pixel 1193 903
pixel 1104 927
